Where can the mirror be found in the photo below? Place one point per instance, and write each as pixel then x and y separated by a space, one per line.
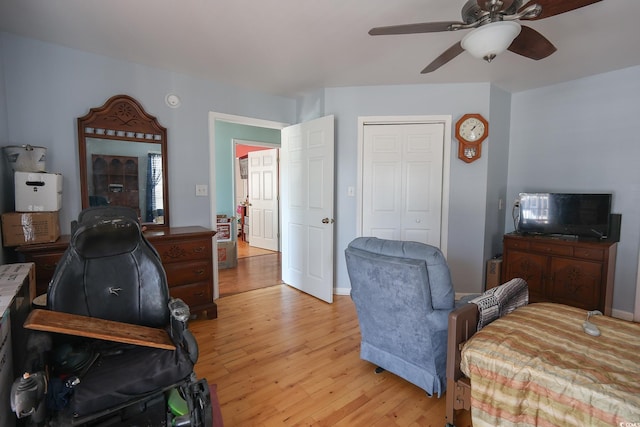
pixel 123 160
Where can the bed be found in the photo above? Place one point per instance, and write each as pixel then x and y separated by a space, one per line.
pixel 537 367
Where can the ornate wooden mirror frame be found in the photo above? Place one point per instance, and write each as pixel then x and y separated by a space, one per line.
pixel 123 160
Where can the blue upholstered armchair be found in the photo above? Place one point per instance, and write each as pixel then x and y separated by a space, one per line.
pixel 403 295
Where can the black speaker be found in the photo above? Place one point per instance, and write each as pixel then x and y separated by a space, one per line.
pixel 615 221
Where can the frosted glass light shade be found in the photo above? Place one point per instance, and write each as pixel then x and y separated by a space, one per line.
pixel 490 40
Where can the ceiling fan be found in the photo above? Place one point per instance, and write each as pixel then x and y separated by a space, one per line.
pixel 494 28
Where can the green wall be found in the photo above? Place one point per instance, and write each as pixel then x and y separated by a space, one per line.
pixel 225 132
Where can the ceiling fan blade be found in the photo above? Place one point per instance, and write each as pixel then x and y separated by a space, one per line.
pixel 425 27
pixel 556 7
pixel 445 57
pixel 532 44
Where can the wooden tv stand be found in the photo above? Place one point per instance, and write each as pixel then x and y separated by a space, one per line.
pixel 186 253
pixel 569 271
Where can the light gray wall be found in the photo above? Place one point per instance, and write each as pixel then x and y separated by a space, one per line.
pixel 310 106
pixel 581 136
pixel 49 86
pixel 467 181
pixel 497 151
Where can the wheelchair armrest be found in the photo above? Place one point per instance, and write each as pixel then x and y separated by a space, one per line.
pixel 180 314
pixel 180 334
pixel 93 327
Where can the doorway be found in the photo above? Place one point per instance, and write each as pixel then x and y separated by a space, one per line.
pixel 257 194
pixel 314 141
pixel 256 267
pixel 253 271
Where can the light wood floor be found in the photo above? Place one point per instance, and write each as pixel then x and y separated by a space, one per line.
pixel 257 268
pixel 280 357
pixel 246 250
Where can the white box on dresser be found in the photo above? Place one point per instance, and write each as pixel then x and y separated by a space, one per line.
pixel 38 191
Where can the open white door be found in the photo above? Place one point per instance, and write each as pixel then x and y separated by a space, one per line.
pixel 307 177
pixel 263 199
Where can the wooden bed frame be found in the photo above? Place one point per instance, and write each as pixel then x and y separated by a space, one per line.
pixel 463 323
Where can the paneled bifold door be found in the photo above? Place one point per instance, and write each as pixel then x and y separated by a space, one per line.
pixel 402 181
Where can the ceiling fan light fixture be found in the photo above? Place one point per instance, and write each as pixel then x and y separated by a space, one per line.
pixel 490 40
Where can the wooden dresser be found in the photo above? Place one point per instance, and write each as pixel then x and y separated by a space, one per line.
pixel 186 253
pixel 567 271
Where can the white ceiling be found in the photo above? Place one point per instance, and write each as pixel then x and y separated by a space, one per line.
pixel 286 47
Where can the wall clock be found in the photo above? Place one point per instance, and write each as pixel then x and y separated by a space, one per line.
pixel 471 130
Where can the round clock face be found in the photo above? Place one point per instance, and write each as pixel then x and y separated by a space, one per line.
pixel 472 129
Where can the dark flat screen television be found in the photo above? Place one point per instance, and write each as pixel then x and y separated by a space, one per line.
pixel 581 215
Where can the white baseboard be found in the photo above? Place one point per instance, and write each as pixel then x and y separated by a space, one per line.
pixel 624 315
pixel 342 291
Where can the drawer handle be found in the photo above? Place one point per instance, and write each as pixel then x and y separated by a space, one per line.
pixel 49 266
pixel 199 249
pixel 175 252
pixel 199 272
pixel 198 294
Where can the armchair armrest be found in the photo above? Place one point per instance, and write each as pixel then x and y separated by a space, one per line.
pixel 93 327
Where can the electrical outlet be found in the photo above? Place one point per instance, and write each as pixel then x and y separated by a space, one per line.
pixel 202 190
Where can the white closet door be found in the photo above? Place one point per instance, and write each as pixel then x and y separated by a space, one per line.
pixel 402 181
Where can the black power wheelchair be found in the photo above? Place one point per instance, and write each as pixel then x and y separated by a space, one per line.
pixel 110 273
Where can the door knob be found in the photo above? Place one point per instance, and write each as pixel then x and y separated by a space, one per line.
pixel 327 221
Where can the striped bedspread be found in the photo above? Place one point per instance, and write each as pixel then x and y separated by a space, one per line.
pixel 536 367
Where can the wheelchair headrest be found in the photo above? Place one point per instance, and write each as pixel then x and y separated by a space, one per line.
pixel 92 214
pixel 104 237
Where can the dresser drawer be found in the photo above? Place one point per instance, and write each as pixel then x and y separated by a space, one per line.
pixel 516 244
pixel 551 249
pixel 184 273
pixel 45 264
pixel 184 251
pixel 595 254
pixel 45 267
pixel 195 294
